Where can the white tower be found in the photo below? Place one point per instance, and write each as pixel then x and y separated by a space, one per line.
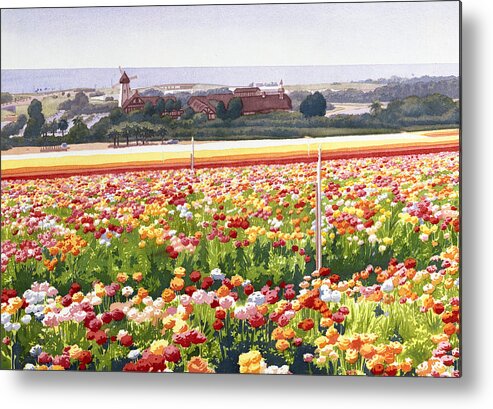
pixel 124 89
pixel 280 90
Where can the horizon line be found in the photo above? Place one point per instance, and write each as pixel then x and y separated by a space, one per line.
pixel 232 66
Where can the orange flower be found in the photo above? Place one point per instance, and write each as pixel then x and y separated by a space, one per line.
pixel 198 365
pixel 122 277
pixel 222 291
pixel 137 276
pixel 177 283
pixel 282 345
pixel 168 295
pixel 449 329
pixel 142 292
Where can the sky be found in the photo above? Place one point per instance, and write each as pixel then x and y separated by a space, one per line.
pixel 235 35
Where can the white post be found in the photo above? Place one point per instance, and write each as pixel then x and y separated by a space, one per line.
pixel 318 211
pixel 193 155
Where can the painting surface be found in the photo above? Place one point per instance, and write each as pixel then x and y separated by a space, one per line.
pixel 262 189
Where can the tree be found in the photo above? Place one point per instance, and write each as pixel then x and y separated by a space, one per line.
pixel 376 108
pixel 79 131
pixel 36 120
pixel 116 115
pixel 188 114
pixel 160 107
pixel 53 127
pixel 170 105
pixel 221 111
pixel 314 105
pixel 148 109
pixel 177 104
pixel 13 128
pixel 235 107
pixel 6 97
pixel 63 125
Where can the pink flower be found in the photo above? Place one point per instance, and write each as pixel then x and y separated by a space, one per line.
pixel 226 302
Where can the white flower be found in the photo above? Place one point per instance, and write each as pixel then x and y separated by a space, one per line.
pixel 256 298
pixel 29 367
pixel 127 291
pixel 336 296
pixel 5 318
pixel 26 319
pixel 8 326
pixel 36 350
pixel 388 286
pixel 133 354
pixel 217 275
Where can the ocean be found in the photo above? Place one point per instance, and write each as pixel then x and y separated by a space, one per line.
pixel 30 80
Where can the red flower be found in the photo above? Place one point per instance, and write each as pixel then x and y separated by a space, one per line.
pixel 117 314
pixel 127 340
pixel 306 325
pixel 391 370
pixel 218 325
pixel 257 320
pixel 220 314
pixel 85 357
pixel 100 337
pixel 248 289
pixel 66 300
pixel 106 317
pixel 344 310
pixel 377 369
pixel 44 358
pixel 62 360
pixel 189 290
pixel 172 354
pixel 207 282
pixel 324 271
pixel 410 263
pixel 338 317
pixel 438 308
pixel 334 278
pixel 94 324
pixel 195 276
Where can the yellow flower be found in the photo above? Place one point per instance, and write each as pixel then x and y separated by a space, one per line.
pixel 351 356
pixel 282 345
pixel 179 272
pixel 157 347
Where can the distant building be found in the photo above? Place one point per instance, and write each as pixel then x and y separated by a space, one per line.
pixel 254 100
pixel 129 102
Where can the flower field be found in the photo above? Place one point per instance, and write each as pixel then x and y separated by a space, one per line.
pixel 214 271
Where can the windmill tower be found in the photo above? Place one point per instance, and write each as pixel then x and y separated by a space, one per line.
pixel 124 87
pixel 280 90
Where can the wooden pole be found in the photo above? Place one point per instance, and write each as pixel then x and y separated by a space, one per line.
pixel 318 212
pixel 193 155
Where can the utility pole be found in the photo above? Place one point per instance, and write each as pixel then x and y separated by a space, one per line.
pixel 192 156
pixel 318 211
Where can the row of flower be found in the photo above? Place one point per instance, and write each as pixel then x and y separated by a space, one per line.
pixel 214 270
pixel 407 323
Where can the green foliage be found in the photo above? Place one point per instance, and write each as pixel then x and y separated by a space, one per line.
pixel 80 106
pixel 148 109
pixel 235 107
pixel 116 115
pixel 188 114
pixel 35 121
pixel 79 132
pixel 169 105
pixel 314 105
pixel 160 106
pixel 63 125
pixel 221 111
pixel 6 97
pixel 13 128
